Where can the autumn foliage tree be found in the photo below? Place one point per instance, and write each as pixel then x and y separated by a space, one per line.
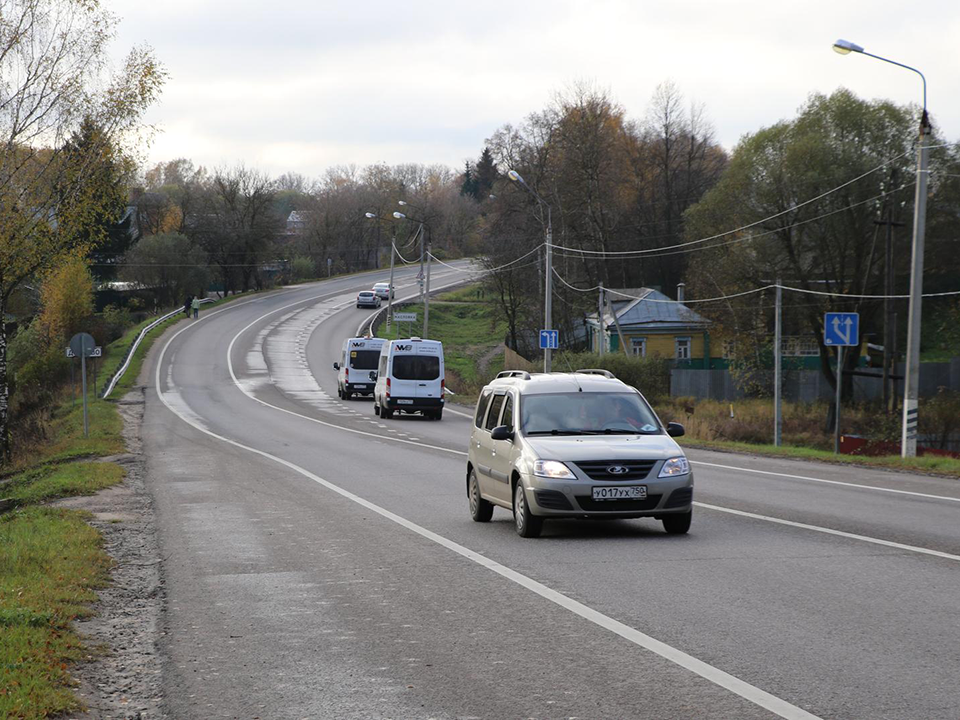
pixel 61 117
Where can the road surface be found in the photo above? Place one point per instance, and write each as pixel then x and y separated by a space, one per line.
pixel 320 562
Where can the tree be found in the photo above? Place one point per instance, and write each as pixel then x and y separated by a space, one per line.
pixel 806 193
pixel 66 298
pixel 52 59
pixel 170 264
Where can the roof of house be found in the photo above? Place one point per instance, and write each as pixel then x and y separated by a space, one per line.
pixel 648 309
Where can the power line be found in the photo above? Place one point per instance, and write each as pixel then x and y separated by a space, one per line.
pixel 659 252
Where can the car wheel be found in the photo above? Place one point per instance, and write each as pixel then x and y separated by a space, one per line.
pixel 480 509
pixel 527 525
pixel 438 414
pixel 376 408
pixel 339 392
pixel 677 523
pixel 386 414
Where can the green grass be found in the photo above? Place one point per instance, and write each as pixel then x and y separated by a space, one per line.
pixel 468 328
pixel 48 482
pixel 50 565
pixel 931 464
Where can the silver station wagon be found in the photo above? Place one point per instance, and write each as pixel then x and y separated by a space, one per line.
pixel 580 444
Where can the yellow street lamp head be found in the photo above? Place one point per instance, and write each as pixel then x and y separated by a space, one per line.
pixel 845 47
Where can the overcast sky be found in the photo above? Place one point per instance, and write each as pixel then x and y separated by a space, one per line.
pixel 300 85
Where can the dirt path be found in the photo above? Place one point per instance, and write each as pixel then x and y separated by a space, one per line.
pixel 121 677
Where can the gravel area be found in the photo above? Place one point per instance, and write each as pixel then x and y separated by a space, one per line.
pixel 121 677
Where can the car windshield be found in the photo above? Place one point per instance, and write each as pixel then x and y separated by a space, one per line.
pixel 581 413
pixel 416 367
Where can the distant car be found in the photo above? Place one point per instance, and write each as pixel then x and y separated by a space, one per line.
pixel 384 291
pixel 579 444
pixel 368 298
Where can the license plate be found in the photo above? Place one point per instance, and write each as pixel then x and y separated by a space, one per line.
pixel 634 492
pixel 362 387
pixel 404 402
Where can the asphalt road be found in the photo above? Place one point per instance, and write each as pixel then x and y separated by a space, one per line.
pixel 322 563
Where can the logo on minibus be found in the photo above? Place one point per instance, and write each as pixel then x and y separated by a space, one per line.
pixel 404 348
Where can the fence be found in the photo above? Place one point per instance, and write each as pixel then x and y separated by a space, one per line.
pixel 811 385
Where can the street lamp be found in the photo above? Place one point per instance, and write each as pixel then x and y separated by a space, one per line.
pixel 424 229
pixel 548 274
pixel 908 436
pixel 393 250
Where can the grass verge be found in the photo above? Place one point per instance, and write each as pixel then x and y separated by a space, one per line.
pixel 52 562
pixel 929 464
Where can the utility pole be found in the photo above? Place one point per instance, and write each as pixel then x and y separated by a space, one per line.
pixel 426 295
pixel 393 251
pixel 548 289
pixel 911 380
pixel 420 277
pixel 777 362
pixel 889 315
pixel 600 307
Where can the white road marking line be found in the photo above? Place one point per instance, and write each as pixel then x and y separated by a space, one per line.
pixel 253 397
pixel 718 677
pixel 831 531
pixel 829 482
pixel 457 412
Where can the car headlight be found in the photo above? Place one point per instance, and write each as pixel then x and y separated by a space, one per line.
pixel 675 466
pixel 553 469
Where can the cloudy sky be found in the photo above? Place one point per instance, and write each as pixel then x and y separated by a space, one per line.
pixel 300 85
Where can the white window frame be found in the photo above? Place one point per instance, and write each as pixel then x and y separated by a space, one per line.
pixel 683 342
pixel 638 343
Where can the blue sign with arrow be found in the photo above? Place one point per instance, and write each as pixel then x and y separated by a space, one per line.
pixel 549 339
pixel 841 329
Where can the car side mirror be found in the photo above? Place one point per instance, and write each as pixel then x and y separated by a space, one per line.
pixel 501 432
pixel 373 376
pixel 336 366
pixel 675 430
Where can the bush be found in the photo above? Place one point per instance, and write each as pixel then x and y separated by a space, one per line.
pixel 116 321
pixel 301 269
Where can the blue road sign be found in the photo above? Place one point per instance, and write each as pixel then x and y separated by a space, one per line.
pixel 549 339
pixel 841 329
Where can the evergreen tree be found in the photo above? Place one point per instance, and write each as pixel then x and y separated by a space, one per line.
pixel 485 175
pixel 469 184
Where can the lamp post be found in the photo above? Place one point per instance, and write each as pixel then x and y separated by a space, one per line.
pixel 548 272
pixel 908 436
pixel 424 229
pixel 393 250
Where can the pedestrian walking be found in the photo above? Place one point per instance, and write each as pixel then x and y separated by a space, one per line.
pixel 187 304
pixel 196 307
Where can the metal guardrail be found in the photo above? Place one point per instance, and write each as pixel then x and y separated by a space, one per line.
pixel 128 356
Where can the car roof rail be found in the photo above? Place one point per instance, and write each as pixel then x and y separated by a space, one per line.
pixel 596 371
pixel 523 374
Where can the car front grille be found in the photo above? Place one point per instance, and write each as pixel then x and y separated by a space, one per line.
pixel 588 504
pixel 600 469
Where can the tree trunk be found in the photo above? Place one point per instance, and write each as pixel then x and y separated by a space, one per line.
pixel 4 390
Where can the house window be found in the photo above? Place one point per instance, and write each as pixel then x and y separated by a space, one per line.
pixel 683 348
pixel 639 346
pixel 800 346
